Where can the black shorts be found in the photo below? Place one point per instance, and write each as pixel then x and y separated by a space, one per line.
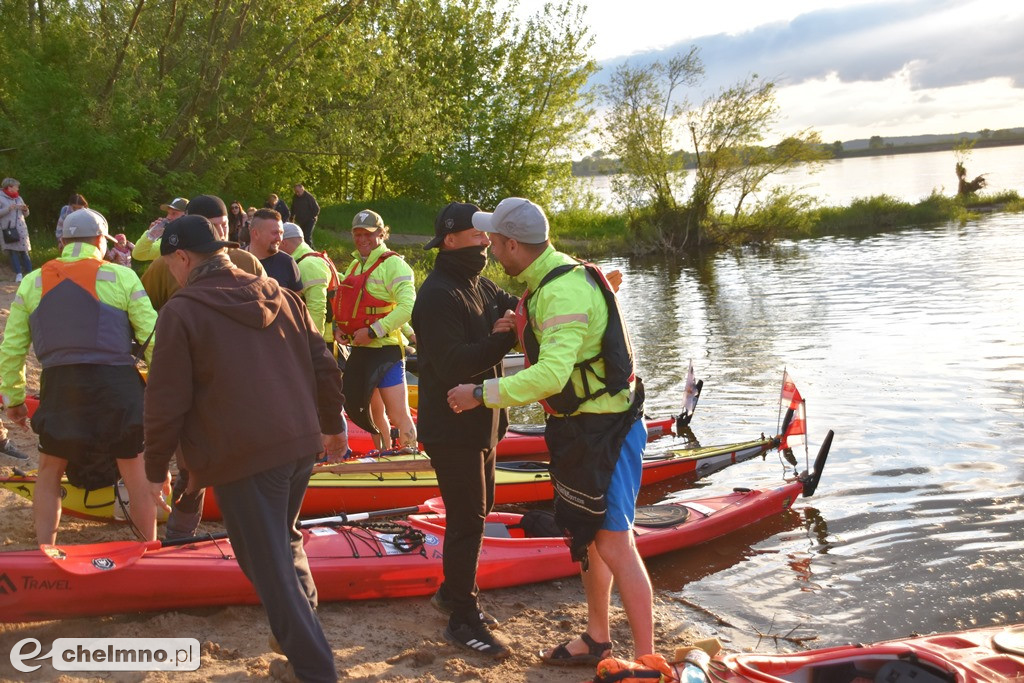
pixel 90 410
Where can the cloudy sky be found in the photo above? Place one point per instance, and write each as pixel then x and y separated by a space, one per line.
pixel 847 68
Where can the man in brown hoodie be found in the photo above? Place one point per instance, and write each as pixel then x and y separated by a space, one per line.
pixel 240 350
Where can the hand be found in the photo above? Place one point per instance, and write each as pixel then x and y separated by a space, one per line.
pixel 160 491
pixel 361 337
pixel 335 446
pixel 506 323
pixel 156 228
pixel 614 279
pixel 23 208
pixel 461 398
pixel 18 415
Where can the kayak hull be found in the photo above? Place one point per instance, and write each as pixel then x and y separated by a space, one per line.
pixel 338 491
pixel 348 563
pixel 973 656
pixel 518 442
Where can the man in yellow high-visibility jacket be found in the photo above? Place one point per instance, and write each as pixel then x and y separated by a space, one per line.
pixel 80 314
pixel 594 428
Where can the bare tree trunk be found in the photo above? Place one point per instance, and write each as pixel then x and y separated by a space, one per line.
pixel 119 60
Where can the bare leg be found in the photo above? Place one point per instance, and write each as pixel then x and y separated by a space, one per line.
pixel 380 418
pixel 46 498
pixel 142 508
pixel 613 555
pixel 597 584
pixel 396 399
pixel 618 550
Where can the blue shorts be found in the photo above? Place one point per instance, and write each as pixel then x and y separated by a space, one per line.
pixel 625 484
pixel 394 376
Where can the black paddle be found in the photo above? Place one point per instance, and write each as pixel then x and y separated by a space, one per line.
pixel 96 558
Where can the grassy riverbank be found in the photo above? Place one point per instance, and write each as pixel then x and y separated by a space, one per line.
pixel 592 234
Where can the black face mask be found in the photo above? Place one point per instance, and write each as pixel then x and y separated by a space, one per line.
pixel 468 261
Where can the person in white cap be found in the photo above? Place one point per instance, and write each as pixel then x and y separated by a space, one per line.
pixel 81 315
pixel 319 277
pixel 580 367
pixel 147 247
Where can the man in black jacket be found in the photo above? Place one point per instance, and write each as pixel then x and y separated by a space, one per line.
pixel 305 211
pixel 464 327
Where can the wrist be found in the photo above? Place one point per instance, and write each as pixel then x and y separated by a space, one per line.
pixel 371 333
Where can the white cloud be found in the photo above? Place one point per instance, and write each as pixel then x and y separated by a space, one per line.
pixel 890 107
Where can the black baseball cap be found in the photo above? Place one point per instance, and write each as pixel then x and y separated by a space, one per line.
pixel 208 205
pixel 191 233
pixel 455 217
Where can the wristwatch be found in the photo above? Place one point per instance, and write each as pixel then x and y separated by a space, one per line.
pixel 478 392
pixel 371 333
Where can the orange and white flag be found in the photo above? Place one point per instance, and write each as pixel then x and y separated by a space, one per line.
pixel 794 404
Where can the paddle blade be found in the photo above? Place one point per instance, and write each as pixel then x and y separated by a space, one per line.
pixel 97 558
pixel 435 505
pixel 811 480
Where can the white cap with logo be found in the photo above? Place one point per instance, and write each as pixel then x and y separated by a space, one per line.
pixel 516 218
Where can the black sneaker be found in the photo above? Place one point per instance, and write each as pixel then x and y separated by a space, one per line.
pixel 8 448
pixel 476 638
pixel 445 608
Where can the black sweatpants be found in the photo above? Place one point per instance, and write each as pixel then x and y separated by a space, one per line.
pixel 466 479
pixel 260 514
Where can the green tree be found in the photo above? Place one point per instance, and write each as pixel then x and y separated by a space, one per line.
pixel 360 99
pixel 876 142
pixel 642 126
pixel 726 131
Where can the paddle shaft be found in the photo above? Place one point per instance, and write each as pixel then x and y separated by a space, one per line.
pixel 303 523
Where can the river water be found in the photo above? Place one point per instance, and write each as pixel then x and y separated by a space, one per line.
pixel 909 177
pixel 910 345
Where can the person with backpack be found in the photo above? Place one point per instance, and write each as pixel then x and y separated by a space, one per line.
pixel 580 367
pixel 319 278
pixel 375 299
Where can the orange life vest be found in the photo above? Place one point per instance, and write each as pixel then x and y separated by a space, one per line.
pixel 354 307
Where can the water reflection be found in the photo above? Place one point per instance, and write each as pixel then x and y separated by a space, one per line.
pixel 911 346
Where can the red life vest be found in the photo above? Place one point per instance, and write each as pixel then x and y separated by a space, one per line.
pixel 616 348
pixel 354 307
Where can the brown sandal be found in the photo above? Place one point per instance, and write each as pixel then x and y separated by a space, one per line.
pixel 596 651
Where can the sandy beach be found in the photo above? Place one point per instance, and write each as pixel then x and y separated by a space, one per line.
pixel 379 640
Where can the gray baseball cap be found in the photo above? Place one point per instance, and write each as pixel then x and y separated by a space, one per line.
pixel 85 223
pixel 291 230
pixel 516 218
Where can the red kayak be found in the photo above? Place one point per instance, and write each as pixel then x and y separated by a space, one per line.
pixel 519 441
pixel 349 562
pixel 399 481
pixel 976 656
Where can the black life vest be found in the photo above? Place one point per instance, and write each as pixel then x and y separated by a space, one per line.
pixel 616 348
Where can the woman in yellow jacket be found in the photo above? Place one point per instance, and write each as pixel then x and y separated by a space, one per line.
pixel 374 301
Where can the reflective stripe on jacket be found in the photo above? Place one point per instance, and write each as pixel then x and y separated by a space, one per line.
pixel 316 276
pixel 391 281
pixel 116 307
pixel 568 316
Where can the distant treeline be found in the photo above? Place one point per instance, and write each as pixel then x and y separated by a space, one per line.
pixel 598 163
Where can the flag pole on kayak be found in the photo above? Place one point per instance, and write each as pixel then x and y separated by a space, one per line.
pixel 106 557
